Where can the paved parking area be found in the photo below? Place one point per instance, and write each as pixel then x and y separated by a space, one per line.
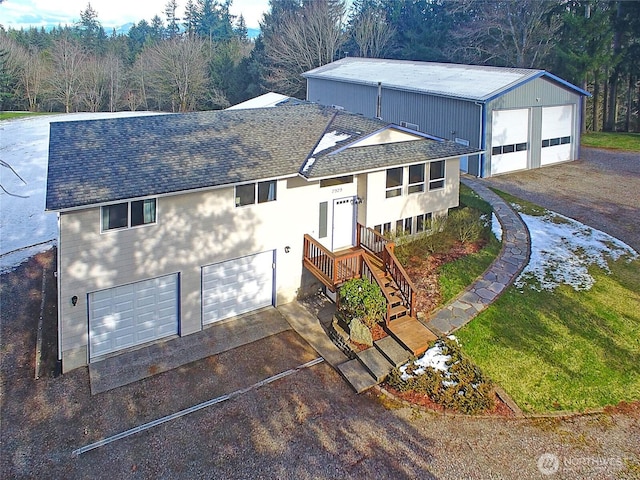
pixel 601 190
pixel 309 425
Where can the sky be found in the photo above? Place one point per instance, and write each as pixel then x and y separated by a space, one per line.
pixel 111 13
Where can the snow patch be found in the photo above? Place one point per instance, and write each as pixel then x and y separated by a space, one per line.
pixel 562 249
pixel 329 140
pixel 310 161
pixel 25 228
pixel 433 358
pixel 496 228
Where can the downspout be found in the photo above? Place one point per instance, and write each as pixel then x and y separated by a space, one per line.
pixel 379 102
pixel 483 140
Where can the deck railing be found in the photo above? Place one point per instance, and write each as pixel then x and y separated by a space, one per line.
pixel 333 270
pixel 400 276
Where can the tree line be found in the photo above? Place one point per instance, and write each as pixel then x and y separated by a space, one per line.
pixel 206 61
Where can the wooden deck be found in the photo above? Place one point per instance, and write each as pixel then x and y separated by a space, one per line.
pixel 412 334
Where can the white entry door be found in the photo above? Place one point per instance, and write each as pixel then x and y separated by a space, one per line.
pixel 343 223
pixel 133 314
pixel 237 286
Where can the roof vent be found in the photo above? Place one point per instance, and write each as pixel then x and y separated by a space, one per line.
pixel 337 107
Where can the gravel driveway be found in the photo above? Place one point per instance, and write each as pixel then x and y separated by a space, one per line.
pixel 309 425
pixel 602 190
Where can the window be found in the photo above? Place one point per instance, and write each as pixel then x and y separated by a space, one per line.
pixel 322 227
pixel 394 182
pixel 436 175
pixel 263 191
pixel 378 228
pixel 408 224
pixel 508 148
pixel 416 178
pixel 399 229
pixel 423 222
pixel 521 147
pixel 332 182
pixel 514 147
pixel 128 214
pixel 552 142
pixel 386 228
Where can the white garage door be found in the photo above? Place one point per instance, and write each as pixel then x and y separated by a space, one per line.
pixel 237 286
pixel 133 314
pixel 509 140
pixel 557 124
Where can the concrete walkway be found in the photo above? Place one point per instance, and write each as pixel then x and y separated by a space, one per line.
pixel 513 257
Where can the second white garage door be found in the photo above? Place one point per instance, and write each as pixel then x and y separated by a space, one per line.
pixel 133 314
pixel 557 124
pixel 237 286
pixel 509 140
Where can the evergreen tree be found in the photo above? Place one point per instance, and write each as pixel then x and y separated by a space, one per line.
pixel 173 29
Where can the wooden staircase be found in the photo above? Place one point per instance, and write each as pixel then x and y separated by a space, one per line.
pixel 373 258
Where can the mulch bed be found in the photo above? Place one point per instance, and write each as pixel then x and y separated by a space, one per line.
pixel 500 409
pixel 424 273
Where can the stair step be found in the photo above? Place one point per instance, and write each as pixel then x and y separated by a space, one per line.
pixel 375 362
pixel 392 350
pixel 398 311
pixel 357 375
pixel 409 332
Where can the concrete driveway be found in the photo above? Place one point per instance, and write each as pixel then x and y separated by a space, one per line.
pixel 308 425
pixel 601 190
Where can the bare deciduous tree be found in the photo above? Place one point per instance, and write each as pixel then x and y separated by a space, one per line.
pixel 516 33
pixel 179 71
pixel 114 69
pixel 93 80
pixel 309 38
pixel 372 34
pixel 29 68
pixel 65 81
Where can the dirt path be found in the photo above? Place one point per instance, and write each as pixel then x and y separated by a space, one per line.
pixel 602 190
pixel 309 425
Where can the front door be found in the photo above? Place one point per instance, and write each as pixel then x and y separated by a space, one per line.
pixel 343 223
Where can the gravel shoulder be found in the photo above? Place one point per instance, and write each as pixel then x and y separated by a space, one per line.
pixel 601 190
pixel 308 425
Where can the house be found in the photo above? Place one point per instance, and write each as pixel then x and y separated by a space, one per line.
pixel 171 223
pixel 520 118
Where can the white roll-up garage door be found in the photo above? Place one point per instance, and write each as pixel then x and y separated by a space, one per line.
pixel 129 315
pixel 509 140
pixel 237 286
pixel 557 125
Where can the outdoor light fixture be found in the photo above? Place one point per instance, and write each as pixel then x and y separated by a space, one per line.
pixel 74 300
pixel 287 249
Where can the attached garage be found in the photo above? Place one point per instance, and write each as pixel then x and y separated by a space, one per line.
pixel 133 314
pixel 237 286
pixel 509 140
pixel 557 125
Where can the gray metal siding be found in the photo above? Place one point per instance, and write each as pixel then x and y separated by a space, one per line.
pixel 534 95
pixel 354 98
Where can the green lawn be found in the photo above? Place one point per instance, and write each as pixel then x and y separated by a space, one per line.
pixel 9 115
pixel 563 350
pixel 616 141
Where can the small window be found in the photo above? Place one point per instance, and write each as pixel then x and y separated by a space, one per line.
pixel 399 225
pixel 143 212
pixel 496 151
pixel 115 216
pixel 322 227
pixel 267 191
pixel 436 175
pixel 332 182
pixel 521 147
pixel 378 228
pixel 408 223
pixel 420 223
pixel 394 182
pixel 416 178
pixel 554 142
pixel 545 143
pixel 565 140
pixel 508 148
pixel 245 194
pixel 387 227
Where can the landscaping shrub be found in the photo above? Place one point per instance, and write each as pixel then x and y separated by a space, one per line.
pixel 462 387
pixel 359 298
pixel 465 224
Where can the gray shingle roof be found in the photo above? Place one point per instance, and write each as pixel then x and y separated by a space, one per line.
pixel 101 161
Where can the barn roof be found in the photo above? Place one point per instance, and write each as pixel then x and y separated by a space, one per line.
pixel 468 82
